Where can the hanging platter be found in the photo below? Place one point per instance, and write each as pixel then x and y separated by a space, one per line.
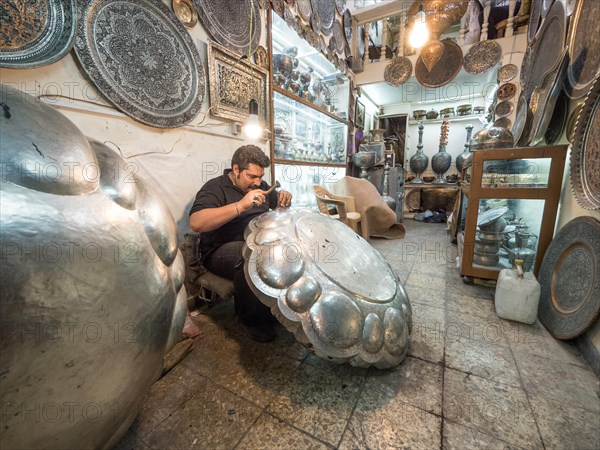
pixel 507 72
pixel 304 9
pixel 446 68
pixel 570 6
pixel 340 6
pixel 558 120
pixel 570 279
pixel 584 56
pixel 347 17
pixel 507 91
pixel 572 121
pixel 503 122
pixel 222 20
pixel 325 11
pixel 398 71
pixel 535 19
pixel 546 4
pixel 315 23
pixel 277 5
pixel 185 12
pixel 338 34
pixel 585 152
pixel 142 59
pixel 525 66
pixel 504 108
pixel 322 44
pixel 291 2
pixel 360 42
pixel 482 56
pixel 290 17
pixel 37 33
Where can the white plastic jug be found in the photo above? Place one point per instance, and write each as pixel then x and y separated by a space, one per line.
pixel 517 294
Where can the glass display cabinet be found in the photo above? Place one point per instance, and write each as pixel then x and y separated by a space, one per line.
pixel 509 202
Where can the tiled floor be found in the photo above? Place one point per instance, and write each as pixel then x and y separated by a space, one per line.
pixel 471 380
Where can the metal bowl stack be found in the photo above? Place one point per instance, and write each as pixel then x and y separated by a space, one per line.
pixel 490 232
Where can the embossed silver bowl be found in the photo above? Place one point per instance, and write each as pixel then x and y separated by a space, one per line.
pixel 329 287
pixel 91 284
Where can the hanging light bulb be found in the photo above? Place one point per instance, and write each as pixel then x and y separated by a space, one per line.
pixel 419 34
pixel 252 129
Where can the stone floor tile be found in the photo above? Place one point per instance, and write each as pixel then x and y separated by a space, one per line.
pixel 382 421
pixel 131 441
pixel 486 360
pixel 416 382
pixel 436 286
pixel 271 433
pixel 455 285
pixel 490 407
pixel 459 437
pixel 427 338
pixel 213 419
pixel 425 295
pixel 560 381
pixel 464 326
pixel 318 402
pixel 564 426
pixel 478 306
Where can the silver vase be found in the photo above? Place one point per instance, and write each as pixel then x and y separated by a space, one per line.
pixel 419 161
pixel 460 159
pixel 441 161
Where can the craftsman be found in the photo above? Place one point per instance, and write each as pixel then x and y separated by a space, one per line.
pixel 223 208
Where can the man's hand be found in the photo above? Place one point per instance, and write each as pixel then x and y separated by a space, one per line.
pixel 253 197
pixel 284 199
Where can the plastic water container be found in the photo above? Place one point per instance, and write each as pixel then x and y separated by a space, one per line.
pixel 517 294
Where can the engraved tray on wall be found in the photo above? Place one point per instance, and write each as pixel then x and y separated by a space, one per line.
pixel 445 69
pixel 36 33
pixel 325 11
pixel 229 23
pixel 142 59
pixel 482 56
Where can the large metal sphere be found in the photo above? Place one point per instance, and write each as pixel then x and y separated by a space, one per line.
pixel 91 284
pixel 328 286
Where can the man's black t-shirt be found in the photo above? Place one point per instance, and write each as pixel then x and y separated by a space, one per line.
pixel 219 192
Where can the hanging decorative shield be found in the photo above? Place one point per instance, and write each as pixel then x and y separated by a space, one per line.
pixel 36 33
pixel 235 24
pixel 445 70
pixel 431 54
pixel 142 59
pixel 316 275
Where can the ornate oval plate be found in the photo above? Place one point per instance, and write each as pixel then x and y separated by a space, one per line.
pixel 570 279
pixel 325 11
pixel 36 33
pixel 329 287
pixel 347 17
pixel 535 18
pixel 546 4
pixel 142 59
pixel 277 5
pixel 520 118
pixel 507 72
pixel 584 57
pixel 340 6
pixel 222 20
pixel 398 71
pixel 482 56
pixel 558 120
pixel 507 91
pixel 360 42
pixel 338 34
pixel 572 121
pixel 491 215
pixel 503 122
pixel 185 12
pixel 445 69
pixel 585 152
pixel 304 9
pixel 504 108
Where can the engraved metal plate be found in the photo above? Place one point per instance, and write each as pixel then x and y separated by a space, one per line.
pixel 504 108
pixel 584 45
pixel 520 118
pixel 572 121
pixel 329 287
pixel 446 68
pixel 36 32
pixel 482 56
pixel 185 12
pixel 570 279
pixel 507 72
pixel 503 122
pixel 535 19
pixel 398 71
pixel 325 11
pixel 347 17
pixel 338 34
pixel 546 4
pixel 233 83
pixel 585 152
pixel 142 59
pixel 235 24
pixel 491 215
pixel 360 42
pixel 277 5
pixel 340 6
pixel 558 120
pixel 304 9
pixel 507 91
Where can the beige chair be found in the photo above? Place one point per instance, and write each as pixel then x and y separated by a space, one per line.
pixel 343 209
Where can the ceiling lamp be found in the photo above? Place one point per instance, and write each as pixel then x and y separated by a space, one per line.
pixel 419 34
pixel 253 129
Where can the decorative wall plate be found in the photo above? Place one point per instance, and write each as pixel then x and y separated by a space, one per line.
pixel 277 5
pixel 558 120
pixel 347 17
pixel 340 6
pixel 264 4
pixel 507 91
pixel 491 215
pixel 482 56
pixel 535 19
pixel 235 24
pixel 322 44
pixel 570 6
pixel 413 200
pixel 233 83
pixel 291 2
pixel 446 68
pixel 315 23
pixel 289 16
pixel 142 59
pixel 572 121
pixel 503 122
pixel 36 33
pixel 525 66
pixel 185 12
pixel 507 72
pixel 520 118
pixel 398 71
pixel 360 42
pixel 585 152
pixel 338 34
pixel 504 108
pixel 584 57
pixel 325 10
pixel 570 279
pixel 261 57
pixel 304 9
pixel 546 4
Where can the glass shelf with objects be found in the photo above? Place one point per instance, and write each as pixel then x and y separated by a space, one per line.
pixel 308 72
pixel 299 178
pixel 507 208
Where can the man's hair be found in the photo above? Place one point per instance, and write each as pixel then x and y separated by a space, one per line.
pixel 250 154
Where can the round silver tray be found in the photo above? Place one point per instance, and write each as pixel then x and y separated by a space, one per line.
pixel 482 56
pixel 490 215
